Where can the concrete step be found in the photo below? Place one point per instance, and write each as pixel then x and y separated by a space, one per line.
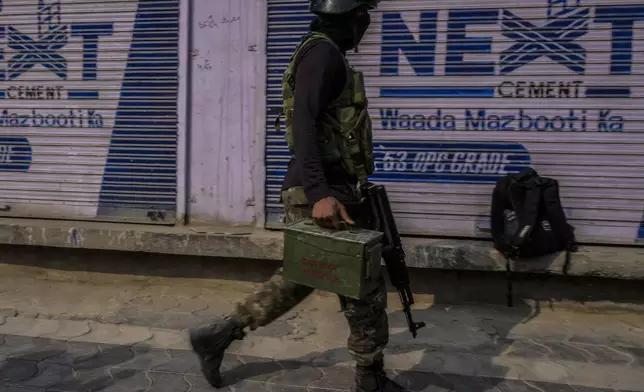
pixel 430 286
pixel 623 262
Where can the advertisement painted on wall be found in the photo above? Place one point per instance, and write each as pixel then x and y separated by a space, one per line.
pixel 88 113
pixel 461 94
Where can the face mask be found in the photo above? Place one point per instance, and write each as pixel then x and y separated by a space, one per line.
pixel 361 25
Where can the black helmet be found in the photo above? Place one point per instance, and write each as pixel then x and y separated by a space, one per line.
pixel 336 7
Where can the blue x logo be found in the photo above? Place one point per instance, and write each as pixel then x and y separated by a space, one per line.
pixel 41 51
pixel 554 40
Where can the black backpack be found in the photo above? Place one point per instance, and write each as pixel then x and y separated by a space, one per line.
pixel 527 219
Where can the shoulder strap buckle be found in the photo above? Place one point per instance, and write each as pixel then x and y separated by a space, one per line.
pixel 357 160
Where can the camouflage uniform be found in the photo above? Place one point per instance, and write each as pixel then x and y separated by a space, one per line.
pixel 368 324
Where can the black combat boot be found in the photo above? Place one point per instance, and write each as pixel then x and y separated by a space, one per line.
pixel 374 379
pixel 210 343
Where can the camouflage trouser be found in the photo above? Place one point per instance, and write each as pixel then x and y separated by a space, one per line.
pixel 368 324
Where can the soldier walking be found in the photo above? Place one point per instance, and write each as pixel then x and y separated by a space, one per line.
pixel 328 131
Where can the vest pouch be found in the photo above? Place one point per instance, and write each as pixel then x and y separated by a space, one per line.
pixel 339 133
pixel 361 131
pixel 359 91
pixel 329 145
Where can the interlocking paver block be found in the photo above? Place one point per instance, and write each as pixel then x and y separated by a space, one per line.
pixel 300 374
pixel 605 335
pixel 159 303
pixel 459 383
pixel 250 386
pixel 49 374
pixel 636 352
pixel 75 352
pixel 128 381
pixel 512 385
pixel 247 368
pixel 332 356
pixel 566 352
pixel 551 387
pixel 168 382
pixel 99 333
pixel 134 315
pixel 192 305
pixel 87 381
pixel 607 355
pixel 114 334
pixel 180 362
pixel 167 339
pixel 130 334
pixel 176 320
pixel 24 326
pixel 423 381
pixel 145 358
pixel 340 377
pixel 108 357
pixel 69 329
pixel 521 348
pixel 16 345
pixel 14 371
pixel 42 349
pixel 285 388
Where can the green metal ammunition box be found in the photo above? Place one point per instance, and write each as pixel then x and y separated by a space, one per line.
pixel 345 262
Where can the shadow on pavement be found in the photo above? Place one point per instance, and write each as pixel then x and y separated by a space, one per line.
pixel 457 349
pixel 44 364
pixel 432 371
pixel 454 342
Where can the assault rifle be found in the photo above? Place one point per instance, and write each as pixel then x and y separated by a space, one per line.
pixel 382 219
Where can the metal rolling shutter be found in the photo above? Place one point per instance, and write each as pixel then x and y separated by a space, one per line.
pixel 88 128
pixel 461 93
pixel 288 21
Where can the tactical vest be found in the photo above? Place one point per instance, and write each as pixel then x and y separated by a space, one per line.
pixel 346 136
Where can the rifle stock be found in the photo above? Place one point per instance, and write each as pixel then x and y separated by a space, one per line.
pixel 382 219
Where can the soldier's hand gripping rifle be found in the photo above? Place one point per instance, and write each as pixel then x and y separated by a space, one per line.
pixel 382 219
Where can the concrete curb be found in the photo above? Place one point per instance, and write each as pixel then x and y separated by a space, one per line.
pixel 240 242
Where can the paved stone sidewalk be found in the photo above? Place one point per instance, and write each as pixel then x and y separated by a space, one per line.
pixel 64 336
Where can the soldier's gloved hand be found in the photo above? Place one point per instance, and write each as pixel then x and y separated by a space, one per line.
pixel 330 213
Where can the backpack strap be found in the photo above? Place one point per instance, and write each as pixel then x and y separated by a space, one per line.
pixel 500 200
pixel 558 220
pixel 556 214
pixel 525 195
pixel 525 198
pixel 508 279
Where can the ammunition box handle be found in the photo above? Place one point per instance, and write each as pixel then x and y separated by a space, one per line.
pixel 345 225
